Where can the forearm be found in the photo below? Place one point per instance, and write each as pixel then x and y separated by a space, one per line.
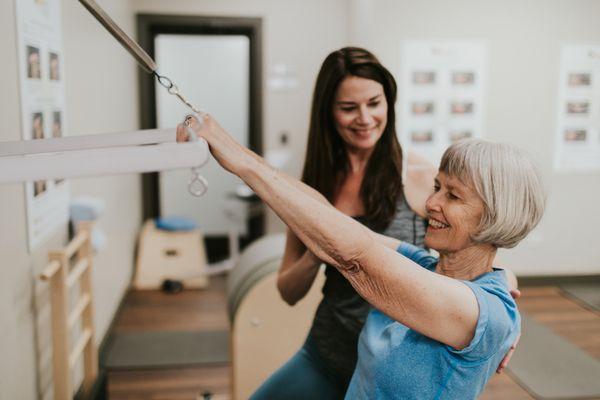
pixel 295 281
pixel 389 242
pixel 332 236
pixel 439 307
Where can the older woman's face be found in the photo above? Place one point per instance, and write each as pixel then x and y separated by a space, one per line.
pixel 454 211
pixel 360 112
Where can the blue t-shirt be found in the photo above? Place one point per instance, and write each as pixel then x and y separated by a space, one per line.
pixel 395 362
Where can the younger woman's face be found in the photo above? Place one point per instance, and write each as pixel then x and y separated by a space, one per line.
pixel 360 112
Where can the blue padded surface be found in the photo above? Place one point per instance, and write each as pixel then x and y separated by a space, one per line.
pixel 175 224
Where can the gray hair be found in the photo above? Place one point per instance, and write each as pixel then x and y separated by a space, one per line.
pixel 508 182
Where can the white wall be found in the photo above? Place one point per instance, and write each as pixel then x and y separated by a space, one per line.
pixel 101 97
pixel 523 39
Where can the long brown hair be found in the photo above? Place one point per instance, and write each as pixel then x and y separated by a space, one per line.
pixel 326 159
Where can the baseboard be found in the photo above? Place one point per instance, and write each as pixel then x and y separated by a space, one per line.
pixel 557 280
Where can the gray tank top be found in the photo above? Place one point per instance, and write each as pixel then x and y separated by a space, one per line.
pixel 342 312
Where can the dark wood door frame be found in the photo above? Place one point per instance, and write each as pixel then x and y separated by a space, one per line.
pixel 151 25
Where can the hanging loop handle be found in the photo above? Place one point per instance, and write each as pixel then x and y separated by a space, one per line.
pixel 198 185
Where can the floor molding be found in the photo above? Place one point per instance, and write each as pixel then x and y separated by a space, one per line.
pixel 557 280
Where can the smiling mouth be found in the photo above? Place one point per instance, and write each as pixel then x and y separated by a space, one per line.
pixel 435 224
pixel 363 132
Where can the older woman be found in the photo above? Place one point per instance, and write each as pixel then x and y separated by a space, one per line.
pixel 440 326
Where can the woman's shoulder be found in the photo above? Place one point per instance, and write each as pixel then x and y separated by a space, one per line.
pixel 494 281
pixel 498 323
pixel 419 174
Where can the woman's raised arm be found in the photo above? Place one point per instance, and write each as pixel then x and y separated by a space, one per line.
pixel 439 307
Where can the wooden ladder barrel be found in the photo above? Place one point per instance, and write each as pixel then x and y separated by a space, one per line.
pixel 62 277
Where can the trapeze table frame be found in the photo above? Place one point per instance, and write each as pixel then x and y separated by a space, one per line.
pixel 93 155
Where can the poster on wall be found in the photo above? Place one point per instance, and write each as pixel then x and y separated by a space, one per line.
pixel 42 90
pixel 442 95
pixel 578 127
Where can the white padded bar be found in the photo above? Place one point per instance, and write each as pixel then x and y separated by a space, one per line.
pixel 103 161
pixel 52 145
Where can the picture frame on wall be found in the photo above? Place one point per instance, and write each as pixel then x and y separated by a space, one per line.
pixel 577 138
pixel 441 101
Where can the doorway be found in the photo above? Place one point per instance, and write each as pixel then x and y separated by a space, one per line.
pixel 217 64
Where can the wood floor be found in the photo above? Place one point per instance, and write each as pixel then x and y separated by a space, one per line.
pixel 190 310
pixel 570 320
pixel 206 310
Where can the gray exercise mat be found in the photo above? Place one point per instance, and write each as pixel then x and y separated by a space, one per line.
pixel 167 349
pixel 549 367
pixel 588 293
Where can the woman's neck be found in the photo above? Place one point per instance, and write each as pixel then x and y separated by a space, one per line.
pixel 358 160
pixel 468 263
